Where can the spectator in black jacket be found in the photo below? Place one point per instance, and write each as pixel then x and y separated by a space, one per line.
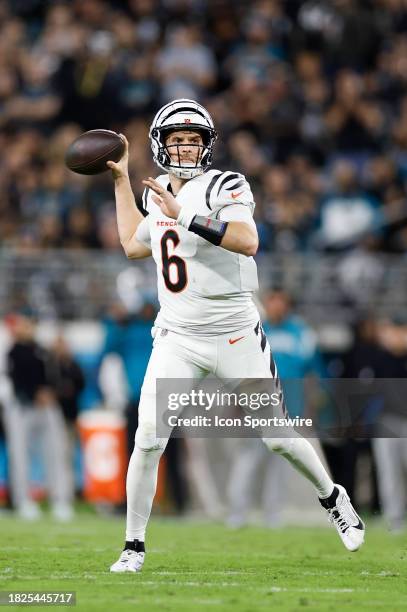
pixel 69 379
pixel 33 415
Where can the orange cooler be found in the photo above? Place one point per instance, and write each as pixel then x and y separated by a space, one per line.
pixel 104 447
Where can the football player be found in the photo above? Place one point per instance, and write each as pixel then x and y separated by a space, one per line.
pixel 197 223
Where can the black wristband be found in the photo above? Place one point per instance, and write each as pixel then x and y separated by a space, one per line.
pixel 212 230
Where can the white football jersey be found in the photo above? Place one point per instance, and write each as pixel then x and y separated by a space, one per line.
pixel 202 288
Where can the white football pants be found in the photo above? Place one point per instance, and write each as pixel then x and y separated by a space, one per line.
pixel 180 356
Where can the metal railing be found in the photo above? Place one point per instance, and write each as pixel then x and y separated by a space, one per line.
pixel 67 284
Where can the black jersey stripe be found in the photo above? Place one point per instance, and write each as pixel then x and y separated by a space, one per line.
pixel 256 329
pixel 278 387
pixel 263 339
pixel 145 195
pixel 272 365
pixel 209 190
pixel 228 178
pixel 145 199
pixel 142 204
pixel 141 209
pixel 235 185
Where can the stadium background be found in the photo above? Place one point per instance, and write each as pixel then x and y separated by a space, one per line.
pixel 310 102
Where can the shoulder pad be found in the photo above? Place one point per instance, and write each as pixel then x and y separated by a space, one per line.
pixel 144 205
pixel 228 188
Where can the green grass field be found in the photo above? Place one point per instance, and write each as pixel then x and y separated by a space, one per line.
pixel 198 566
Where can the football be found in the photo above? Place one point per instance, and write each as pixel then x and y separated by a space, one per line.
pixel 89 153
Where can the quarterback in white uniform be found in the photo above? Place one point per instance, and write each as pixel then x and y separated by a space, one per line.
pixel 197 223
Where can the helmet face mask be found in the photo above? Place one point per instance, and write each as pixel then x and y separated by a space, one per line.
pixel 184 149
pixel 182 115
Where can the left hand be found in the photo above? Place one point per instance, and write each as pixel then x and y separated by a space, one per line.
pixel 163 198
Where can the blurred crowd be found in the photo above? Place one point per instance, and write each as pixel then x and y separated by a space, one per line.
pixel 309 98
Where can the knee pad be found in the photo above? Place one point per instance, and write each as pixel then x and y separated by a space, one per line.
pixel 146 439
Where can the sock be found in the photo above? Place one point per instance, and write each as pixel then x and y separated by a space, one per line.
pixel 141 484
pixel 134 545
pixel 330 500
pixel 302 456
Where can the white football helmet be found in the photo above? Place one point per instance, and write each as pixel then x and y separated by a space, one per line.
pixel 182 115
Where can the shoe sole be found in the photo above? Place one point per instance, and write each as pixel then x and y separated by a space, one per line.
pixel 125 571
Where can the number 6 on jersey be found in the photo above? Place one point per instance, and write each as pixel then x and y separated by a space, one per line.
pixel 173 260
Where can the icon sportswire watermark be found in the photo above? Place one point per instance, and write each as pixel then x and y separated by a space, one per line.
pixel 329 408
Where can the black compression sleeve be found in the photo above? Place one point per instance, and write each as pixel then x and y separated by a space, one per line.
pixel 212 230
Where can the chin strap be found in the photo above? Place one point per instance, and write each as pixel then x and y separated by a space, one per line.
pixel 184 173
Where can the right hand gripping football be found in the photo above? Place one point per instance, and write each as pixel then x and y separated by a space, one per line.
pixel 120 169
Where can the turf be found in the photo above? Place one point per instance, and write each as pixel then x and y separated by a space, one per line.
pixel 198 566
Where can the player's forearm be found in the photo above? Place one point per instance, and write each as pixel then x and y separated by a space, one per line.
pixel 240 238
pixel 128 218
pixel 235 236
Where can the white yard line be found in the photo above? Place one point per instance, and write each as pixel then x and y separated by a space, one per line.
pixel 202 573
pixel 275 589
